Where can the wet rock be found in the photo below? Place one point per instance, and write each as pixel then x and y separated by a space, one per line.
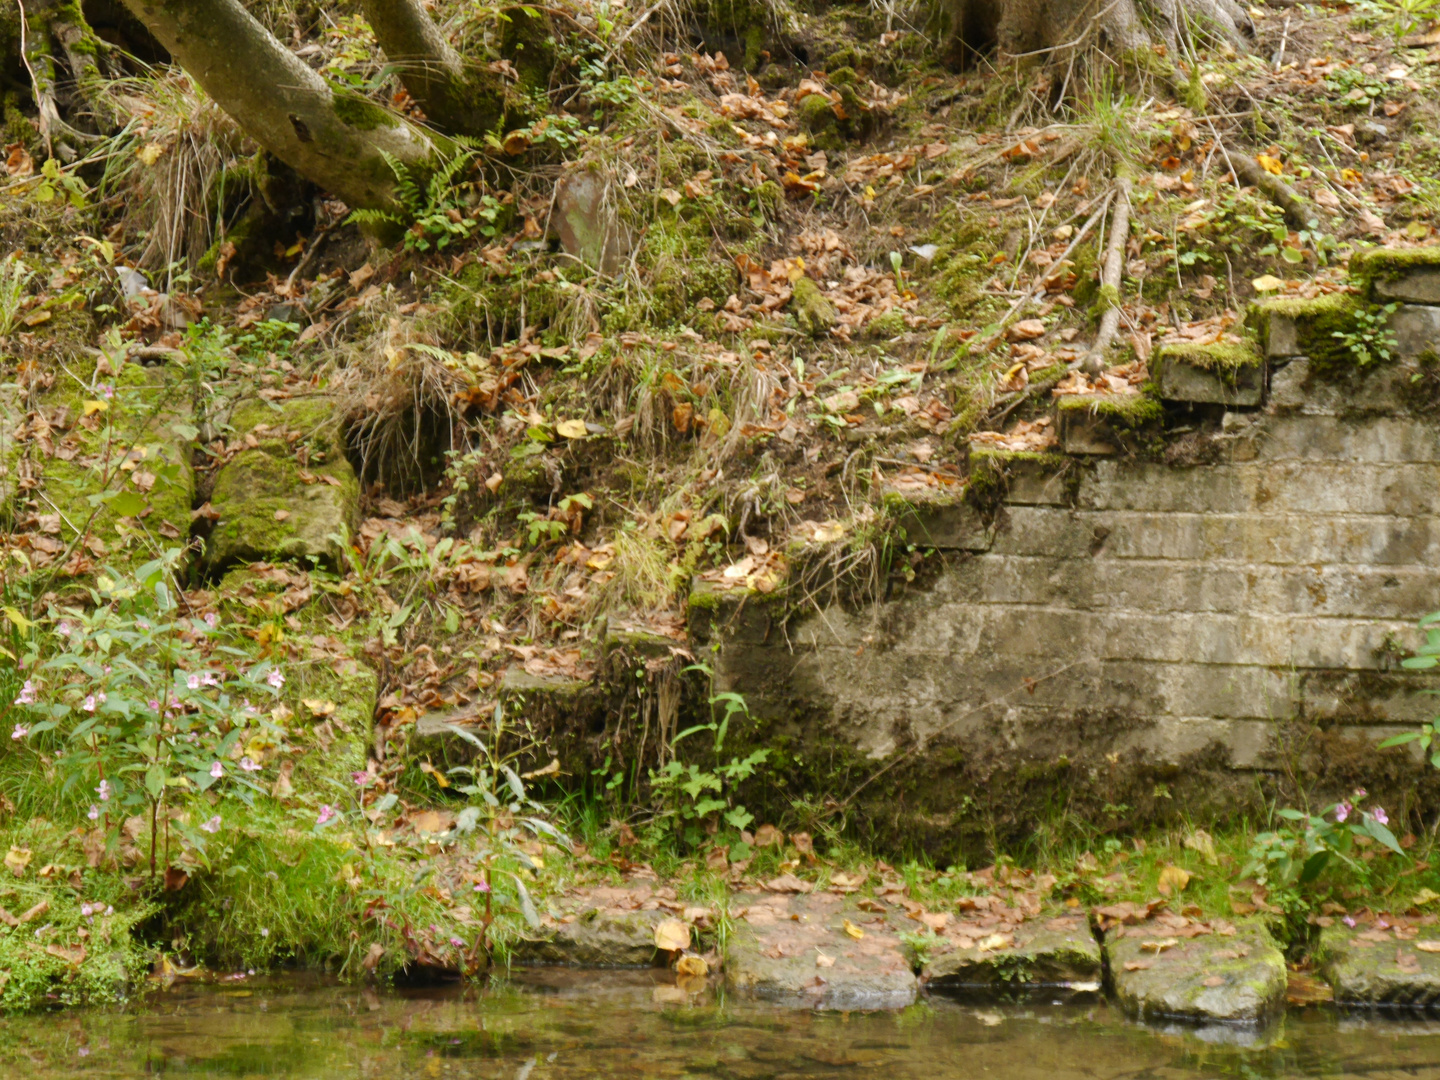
pixel 595 938
pixel 795 949
pixel 1369 966
pixel 589 226
pixel 814 314
pixel 1056 953
pixel 1230 977
pixel 270 505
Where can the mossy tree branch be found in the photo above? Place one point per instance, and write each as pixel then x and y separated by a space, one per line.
pixel 335 138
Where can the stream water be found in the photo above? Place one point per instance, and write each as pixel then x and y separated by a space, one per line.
pixel 567 1025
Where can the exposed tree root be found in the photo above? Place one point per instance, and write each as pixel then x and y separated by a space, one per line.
pixel 1297 211
pixel 1094 361
pixel 63 56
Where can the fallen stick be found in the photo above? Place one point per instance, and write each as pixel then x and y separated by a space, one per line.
pixel 1093 362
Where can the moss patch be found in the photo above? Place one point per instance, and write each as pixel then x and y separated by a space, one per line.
pixel 1389 264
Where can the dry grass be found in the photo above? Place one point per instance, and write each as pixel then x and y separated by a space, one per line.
pixel 168 163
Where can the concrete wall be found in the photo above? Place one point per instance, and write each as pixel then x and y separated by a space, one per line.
pixel 1134 632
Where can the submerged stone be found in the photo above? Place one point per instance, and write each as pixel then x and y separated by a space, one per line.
pixel 595 938
pixel 1377 967
pixel 1059 953
pixel 798 949
pixel 1237 977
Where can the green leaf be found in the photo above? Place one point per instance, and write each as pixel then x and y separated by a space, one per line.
pixel 1400 740
pixel 1313 867
pixel 126 503
pixel 1382 834
pixel 155 781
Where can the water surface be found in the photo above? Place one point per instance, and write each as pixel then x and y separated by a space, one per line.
pixel 566 1025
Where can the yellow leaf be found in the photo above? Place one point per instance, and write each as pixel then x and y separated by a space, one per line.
pixel 95 406
pixel 672 935
pixel 1159 946
pixel 1350 176
pixel 572 429
pixel 692 965
pixel 1267 283
pixel 1271 165
pixel 853 930
pixel 1172 880
pixel 17 859
pixel 318 707
pixel 1423 897
pixel 435 773
pixel 1428 946
pixel 21 622
pixel 996 941
pixel 150 153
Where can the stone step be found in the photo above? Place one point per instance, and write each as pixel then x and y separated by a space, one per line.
pixel 1233 974
pixel 1058 953
pixel 1370 966
pixel 798 949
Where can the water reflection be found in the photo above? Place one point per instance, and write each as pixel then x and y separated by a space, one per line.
pixel 564 1025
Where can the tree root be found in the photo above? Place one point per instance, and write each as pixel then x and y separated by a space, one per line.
pixel 1297 211
pixel 1093 362
pixel 55 39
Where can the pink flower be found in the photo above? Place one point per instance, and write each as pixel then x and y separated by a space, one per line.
pixel 275 679
pixel 1379 815
pixel 327 812
pixel 104 790
pixel 459 943
pixel 20 732
pixel 209 679
pixel 154 705
pixel 89 704
pixel 217 770
pixel 193 682
pixel 213 825
pixel 27 694
pixel 63 629
pixel 248 765
pixel 1348 921
pixel 1360 793
pixel 482 886
pixel 1342 811
pixel 360 778
pixel 94 814
pixel 106 391
pixel 212 620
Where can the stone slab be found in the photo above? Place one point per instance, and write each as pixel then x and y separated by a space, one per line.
pixel 1060 952
pixel 948 525
pixel 1180 381
pixel 1389 971
pixel 1082 432
pixel 1227 978
pixel 595 938
pixel 794 949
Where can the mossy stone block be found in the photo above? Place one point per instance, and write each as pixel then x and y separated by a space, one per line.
pixel 1097 424
pixel 1057 953
pixel 1217 374
pixel 1299 326
pixel 267 508
pixel 1409 275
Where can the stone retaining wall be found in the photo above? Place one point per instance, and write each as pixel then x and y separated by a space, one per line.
pixel 1120 636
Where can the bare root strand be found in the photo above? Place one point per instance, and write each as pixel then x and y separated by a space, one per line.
pixel 1297 210
pixel 1094 361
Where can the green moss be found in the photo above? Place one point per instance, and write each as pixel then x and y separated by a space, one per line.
pixel 888 325
pixel 1001 458
pixel 684 268
pixel 1120 410
pixel 1106 297
pixel 817 118
pixel 359 112
pixel 1389 264
pixel 1224 359
pixel 814 314
pixel 312 416
pixel 1053 373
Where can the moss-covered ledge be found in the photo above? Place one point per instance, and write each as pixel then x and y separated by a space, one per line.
pixel 1408 275
pixel 1108 423
pixel 1219 373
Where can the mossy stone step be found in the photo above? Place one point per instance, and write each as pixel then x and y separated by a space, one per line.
pixel 1408 275
pixel 1216 977
pixel 1370 966
pixel 945 521
pixel 597 937
pixel 1219 373
pixel 1055 953
pixel 1099 424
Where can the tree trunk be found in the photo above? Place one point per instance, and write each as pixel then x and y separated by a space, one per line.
pixel 335 138
pixel 1028 27
pixel 454 100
